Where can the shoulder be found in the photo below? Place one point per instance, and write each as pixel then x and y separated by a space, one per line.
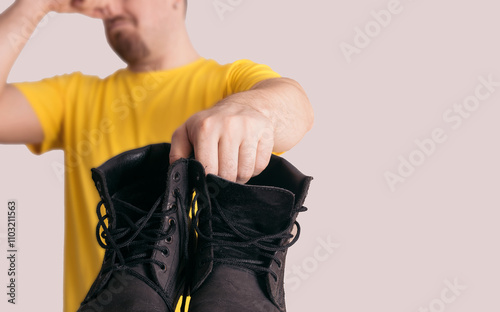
pixel 243 63
pixel 239 69
pixel 240 63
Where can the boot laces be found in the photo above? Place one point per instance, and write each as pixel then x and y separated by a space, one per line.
pixel 133 242
pixel 266 245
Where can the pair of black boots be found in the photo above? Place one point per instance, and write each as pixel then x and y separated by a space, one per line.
pixel 228 256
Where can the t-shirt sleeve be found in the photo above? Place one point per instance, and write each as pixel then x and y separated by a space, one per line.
pixel 242 75
pixel 48 99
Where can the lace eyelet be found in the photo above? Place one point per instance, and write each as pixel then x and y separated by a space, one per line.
pixel 163 268
pixel 279 264
pixel 177 176
pixel 169 240
pixel 176 192
pixel 165 252
pixel 172 222
pixel 172 206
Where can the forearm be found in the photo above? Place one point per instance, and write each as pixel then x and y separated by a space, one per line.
pixel 17 24
pixel 284 102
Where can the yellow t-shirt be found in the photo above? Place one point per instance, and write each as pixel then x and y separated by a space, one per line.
pixel 94 119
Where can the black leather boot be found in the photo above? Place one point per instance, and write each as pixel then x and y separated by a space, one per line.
pixel 144 231
pixel 244 232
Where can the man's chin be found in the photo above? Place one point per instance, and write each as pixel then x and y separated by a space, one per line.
pixel 129 47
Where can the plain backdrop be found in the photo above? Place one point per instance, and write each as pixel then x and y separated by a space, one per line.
pixel 363 246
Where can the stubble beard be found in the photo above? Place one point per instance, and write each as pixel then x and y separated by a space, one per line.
pixel 129 47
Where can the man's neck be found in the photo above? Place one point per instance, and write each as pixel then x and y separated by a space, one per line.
pixel 180 52
pixel 164 64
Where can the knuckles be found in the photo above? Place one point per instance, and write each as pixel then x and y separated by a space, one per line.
pixel 205 125
pixel 251 132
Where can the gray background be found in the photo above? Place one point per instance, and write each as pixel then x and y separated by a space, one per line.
pixel 392 250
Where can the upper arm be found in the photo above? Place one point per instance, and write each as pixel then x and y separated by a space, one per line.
pixel 244 74
pixel 18 120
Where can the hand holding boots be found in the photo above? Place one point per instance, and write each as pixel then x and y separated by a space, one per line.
pixel 152 254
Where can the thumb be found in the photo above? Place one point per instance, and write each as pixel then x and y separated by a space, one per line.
pixel 181 146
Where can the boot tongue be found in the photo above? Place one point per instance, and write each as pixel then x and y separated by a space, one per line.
pixel 265 210
pixel 252 210
pixel 142 195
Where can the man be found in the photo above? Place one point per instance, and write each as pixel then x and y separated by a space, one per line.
pixel 232 117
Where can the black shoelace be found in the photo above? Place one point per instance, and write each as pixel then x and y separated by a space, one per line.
pixel 133 243
pixel 266 244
